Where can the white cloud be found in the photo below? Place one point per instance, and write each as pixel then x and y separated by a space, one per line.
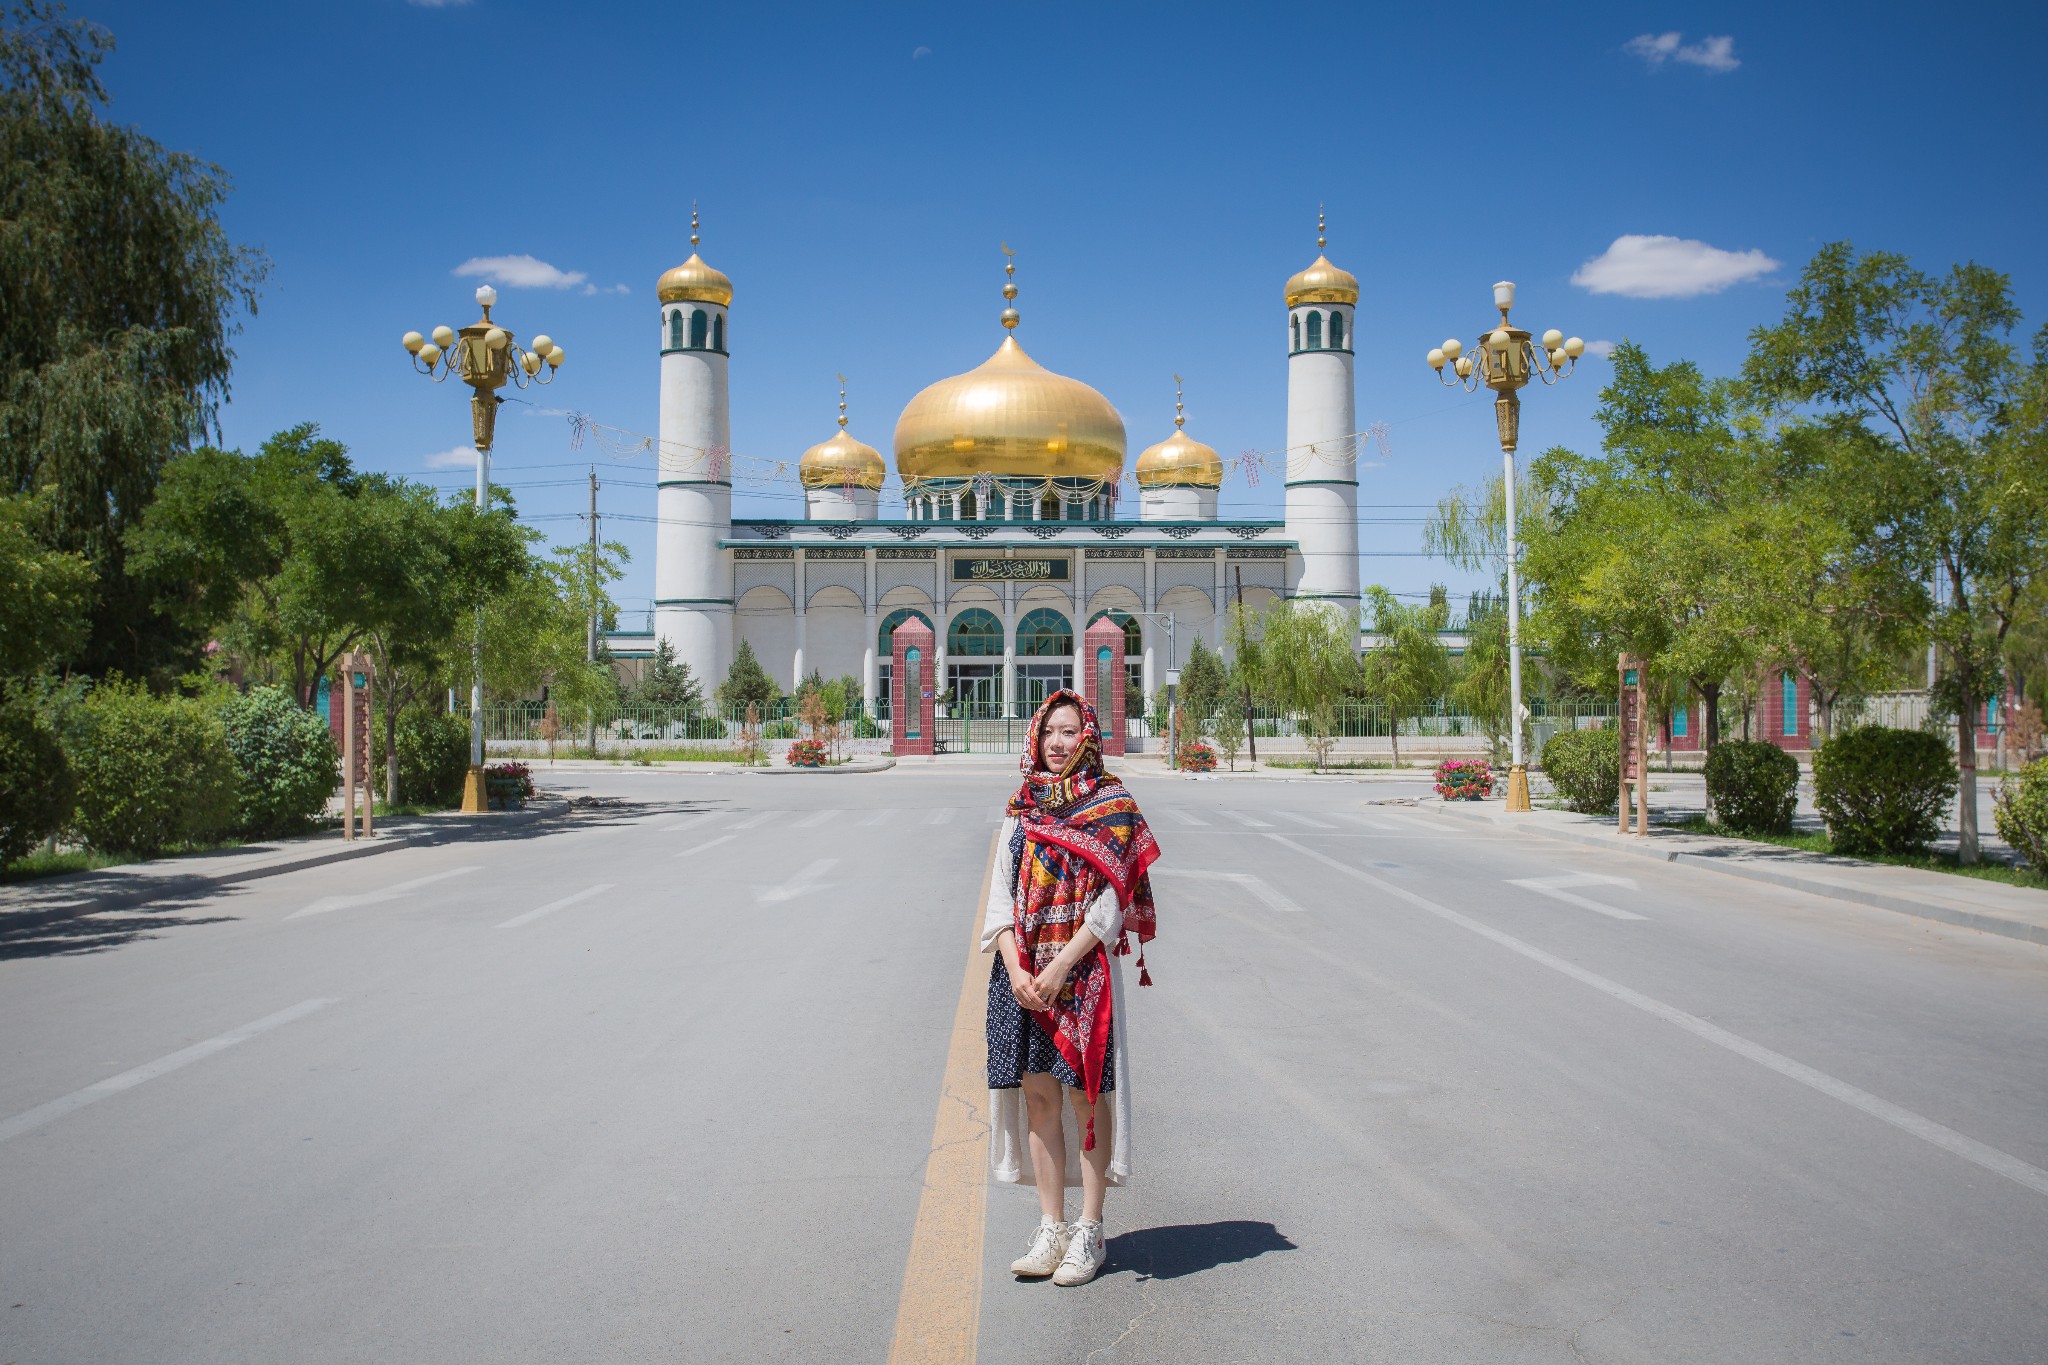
pixel 1716 54
pixel 521 271
pixel 437 4
pixel 1641 267
pixel 454 457
pixel 1603 349
pixel 919 51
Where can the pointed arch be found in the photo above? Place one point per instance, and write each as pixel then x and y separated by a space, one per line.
pixel 1315 330
pixel 718 331
pixel 675 329
pixel 698 323
pixel 1336 330
pixel 1294 327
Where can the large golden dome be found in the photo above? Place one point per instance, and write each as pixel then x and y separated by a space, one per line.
pixel 694 282
pixel 1322 283
pixel 1180 461
pixel 1011 417
pixel 842 462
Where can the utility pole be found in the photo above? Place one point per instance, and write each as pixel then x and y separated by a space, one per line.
pixel 590 636
pixel 1251 730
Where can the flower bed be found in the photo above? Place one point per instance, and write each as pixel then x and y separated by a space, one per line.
pixel 1196 757
pixel 1464 779
pixel 508 785
pixel 806 753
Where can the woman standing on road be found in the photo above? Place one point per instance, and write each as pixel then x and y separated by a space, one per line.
pixel 1070 883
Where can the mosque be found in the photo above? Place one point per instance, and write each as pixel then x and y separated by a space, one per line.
pixel 1015 538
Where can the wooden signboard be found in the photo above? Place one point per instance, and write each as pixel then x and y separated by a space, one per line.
pixel 1630 720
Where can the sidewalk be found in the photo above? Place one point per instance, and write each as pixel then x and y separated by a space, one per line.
pixel 194 875
pixel 1995 908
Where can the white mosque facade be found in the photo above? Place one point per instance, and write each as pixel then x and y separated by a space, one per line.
pixel 1013 539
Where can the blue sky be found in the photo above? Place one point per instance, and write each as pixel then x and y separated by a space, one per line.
pixel 1156 168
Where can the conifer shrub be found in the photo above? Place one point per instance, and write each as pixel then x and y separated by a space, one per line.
pixel 433 757
pixel 2021 813
pixel 1882 790
pixel 1753 786
pixel 1585 768
pixel 35 779
pixel 152 772
pixel 286 765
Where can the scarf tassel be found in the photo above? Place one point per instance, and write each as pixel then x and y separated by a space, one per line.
pixel 1144 977
pixel 1088 1142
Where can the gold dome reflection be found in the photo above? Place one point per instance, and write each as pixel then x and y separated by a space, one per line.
pixel 1011 417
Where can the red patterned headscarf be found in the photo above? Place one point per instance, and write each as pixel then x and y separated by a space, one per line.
pixel 1082 832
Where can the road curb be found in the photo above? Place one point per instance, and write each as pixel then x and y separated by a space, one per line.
pixel 859 766
pixel 158 888
pixel 1903 905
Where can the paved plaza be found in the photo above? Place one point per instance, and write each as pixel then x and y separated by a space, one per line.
pixel 666 1078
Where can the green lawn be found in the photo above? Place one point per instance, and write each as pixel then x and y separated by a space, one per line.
pixel 1335 766
pixel 1816 842
pixel 41 862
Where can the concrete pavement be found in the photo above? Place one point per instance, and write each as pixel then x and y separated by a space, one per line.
pixel 658 1081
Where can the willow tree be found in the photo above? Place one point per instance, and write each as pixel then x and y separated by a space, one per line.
pixel 119 294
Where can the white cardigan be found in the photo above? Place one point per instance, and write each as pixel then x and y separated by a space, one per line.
pixel 1009 1150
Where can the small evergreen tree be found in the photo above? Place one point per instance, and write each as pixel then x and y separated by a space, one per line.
pixel 747 683
pixel 668 683
pixel 1202 684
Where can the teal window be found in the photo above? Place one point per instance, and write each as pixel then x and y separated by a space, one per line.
pixel 1315 330
pixel 1045 634
pixel 1104 698
pixel 975 632
pixel 1336 331
pixel 885 645
pixel 675 329
pixel 1790 693
pixel 913 700
pixel 697 325
pixel 1294 327
pixel 1679 722
pixel 718 332
pixel 1134 639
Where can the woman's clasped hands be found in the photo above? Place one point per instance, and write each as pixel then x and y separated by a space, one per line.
pixel 1038 993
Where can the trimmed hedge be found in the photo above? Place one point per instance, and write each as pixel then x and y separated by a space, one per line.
pixel 2021 813
pixel 1883 790
pixel 36 788
pixel 285 761
pixel 152 772
pixel 1585 767
pixel 1753 786
pixel 433 757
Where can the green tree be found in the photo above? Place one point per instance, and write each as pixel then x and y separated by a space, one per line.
pixel 747 683
pixel 1203 681
pixel 1481 686
pixel 119 294
pixel 668 683
pixel 1307 665
pixel 1409 665
pixel 43 613
pixel 1954 432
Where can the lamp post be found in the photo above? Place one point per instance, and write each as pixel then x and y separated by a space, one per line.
pixel 484 356
pixel 1503 360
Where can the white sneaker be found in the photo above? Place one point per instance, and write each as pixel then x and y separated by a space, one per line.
pixel 1048 1245
pixel 1085 1254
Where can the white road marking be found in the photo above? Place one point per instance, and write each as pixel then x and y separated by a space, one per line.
pixel 1189 817
pixel 552 906
pixel 939 817
pixel 1308 820
pixel 1250 821
pixel 1905 1120
pixel 330 903
pixel 1554 887
pixel 880 817
pixel 721 839
pixel 761 819
pixel 797 885
pixel 149 1071
pixel 690 822
pixel 1381 825
pixel 815 819
pixel 1258 887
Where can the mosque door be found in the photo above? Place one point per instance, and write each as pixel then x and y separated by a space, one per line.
pixel 1036 682
pixel 978 703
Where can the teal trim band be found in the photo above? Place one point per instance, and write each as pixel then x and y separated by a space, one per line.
pixel 1325 597
pixel 693 601
pixel 695 350
pixel 1323 350
pixel 1309 483
pixel 693 483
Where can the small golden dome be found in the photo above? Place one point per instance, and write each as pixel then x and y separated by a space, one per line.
pixel 1011 417
pixel 1180 461
pixel 1322 283
pixel 842 462
pixel 694 282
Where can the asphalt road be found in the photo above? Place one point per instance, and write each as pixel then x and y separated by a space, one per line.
pixel 658 1082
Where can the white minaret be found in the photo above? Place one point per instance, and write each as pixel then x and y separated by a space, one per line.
pixel 1322 434
pixel 693 603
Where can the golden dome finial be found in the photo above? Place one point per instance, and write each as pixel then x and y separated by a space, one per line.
pixel 1319 228
pixel 693 224
pixel 842 402
pixel 1179 417
pixel 1009 318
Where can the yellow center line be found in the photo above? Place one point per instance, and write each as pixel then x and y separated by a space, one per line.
pixel 938 1316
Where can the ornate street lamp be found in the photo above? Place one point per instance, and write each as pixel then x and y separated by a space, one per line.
pixel 484 356
pixel 1503 360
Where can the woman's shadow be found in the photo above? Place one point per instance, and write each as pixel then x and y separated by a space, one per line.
pixel 1189 1248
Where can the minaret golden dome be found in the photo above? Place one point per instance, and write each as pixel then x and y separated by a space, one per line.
pixel 1322 282
pixel 842 461
pixel 693 281
pixel 1180 461
pixel 1011 417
